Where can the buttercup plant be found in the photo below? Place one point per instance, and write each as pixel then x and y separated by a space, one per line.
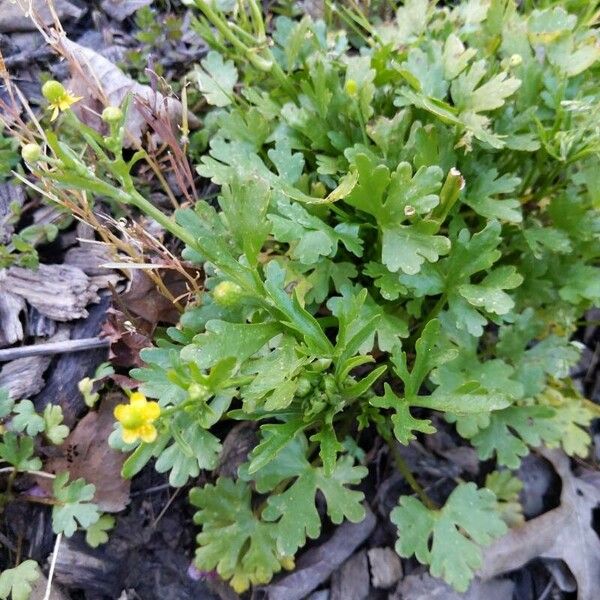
pixel 407 222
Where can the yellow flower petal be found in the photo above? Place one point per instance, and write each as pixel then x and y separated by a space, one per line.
pixel 120 412
pixel 138 400
pixel 151 411
pixel 147 433
pixel 129 435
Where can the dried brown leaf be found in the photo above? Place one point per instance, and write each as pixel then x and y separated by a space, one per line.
pixel 127 337
pixel 100 82
pixel 143 299
pixel 565 533
pixel 15 15
pixel 86 453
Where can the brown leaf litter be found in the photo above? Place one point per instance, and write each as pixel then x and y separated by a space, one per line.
pixel 86 453
pixel 565 533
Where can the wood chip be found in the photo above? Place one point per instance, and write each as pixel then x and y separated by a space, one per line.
pixel 38 590
pixel 60 292
pixel 39 325
pixel 351 582
pixel 386 568
pixel 316 565
pixel 9 195
pixel 89 258
pixel 79 566
pixel 11 328
pixel 24 377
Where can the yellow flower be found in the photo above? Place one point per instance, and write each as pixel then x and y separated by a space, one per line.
pixel 137 417
pixel 58 97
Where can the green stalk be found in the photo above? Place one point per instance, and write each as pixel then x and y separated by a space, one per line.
pixel 407 474
pixel 259 62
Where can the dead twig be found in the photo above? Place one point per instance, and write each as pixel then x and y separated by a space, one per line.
pixel 53 348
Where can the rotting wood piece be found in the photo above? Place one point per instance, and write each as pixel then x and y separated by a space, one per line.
pixel 386 568
pixel 60 292
pixel 24 377
pixel 68 369
pixel 11 328
pixel 10 196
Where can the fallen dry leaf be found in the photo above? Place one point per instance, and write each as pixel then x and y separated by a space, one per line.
pixel 14 15
pixel 100 82
pixel 86 453
pixel 426 587
pixel 564 533
pixel 143 299
pixel 127 337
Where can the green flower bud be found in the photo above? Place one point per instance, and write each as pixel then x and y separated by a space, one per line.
pixel 197 391
pixel 53 91
pixel 318 190
pixel 31 153
pixel 304 387
pixel 227 294
pixel 112 114
pixel 515 60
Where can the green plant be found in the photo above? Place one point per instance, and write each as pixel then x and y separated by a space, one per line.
pixel 9 157
pixel 27 434
pixel 404 226
pixel 154 35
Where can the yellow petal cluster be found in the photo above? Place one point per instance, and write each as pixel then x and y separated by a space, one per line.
pixel 137 418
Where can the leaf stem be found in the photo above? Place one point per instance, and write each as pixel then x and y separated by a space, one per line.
pixel 435 311
pixel 407 474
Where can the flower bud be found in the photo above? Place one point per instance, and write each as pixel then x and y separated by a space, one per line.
pixel 53 91
pixel 197 391
pixel 515 60
pixel 318 190
pixel 304 387
pixel 112 114
pixel 31 153
pixel 227 294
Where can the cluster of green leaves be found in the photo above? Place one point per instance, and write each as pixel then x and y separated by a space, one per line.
pixel 407 222
pixel 23 432
pixel 155 34
pixel 9 157
pixel 19 248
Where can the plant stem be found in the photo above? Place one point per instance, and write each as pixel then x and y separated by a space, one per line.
pixel 407 474
pixel 432 315
pixel 29 472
